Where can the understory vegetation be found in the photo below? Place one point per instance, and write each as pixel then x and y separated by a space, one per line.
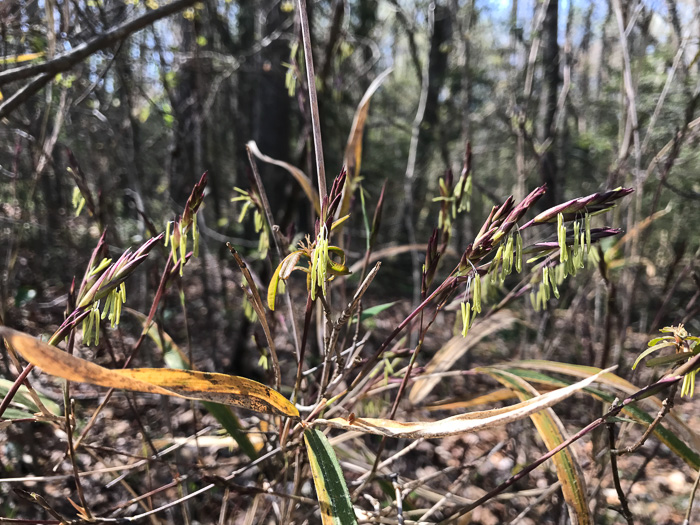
pixel 350 261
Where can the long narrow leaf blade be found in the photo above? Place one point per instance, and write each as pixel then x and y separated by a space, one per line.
pixel 672 432
pixel 678 427
pixel 174 357
pixel 353 150
pixel 455 348
pixel 331 490
pixel 200 386
pixel 461 424
pixel 298 175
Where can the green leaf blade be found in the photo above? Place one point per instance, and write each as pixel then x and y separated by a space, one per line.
pixel 331 490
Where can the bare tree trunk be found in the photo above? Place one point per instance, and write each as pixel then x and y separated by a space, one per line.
pixel 550 86
pixel 187 163
pixel 585 74
pixel 437 70
pixel 272 128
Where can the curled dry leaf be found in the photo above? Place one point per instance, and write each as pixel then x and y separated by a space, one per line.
pixel 298 175
pixel 189 384
pixel 462 423
pixel 353 150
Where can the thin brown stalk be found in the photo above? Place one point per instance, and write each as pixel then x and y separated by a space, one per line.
pixel 348 311
pixel 68 407
pixel 204 489
pixel 313 100
pixel 666 407
pixel 542 497
pixel 626 513
pixel 255 300
pixel 14 388
pixel 271 224
pixel 304 337
pixel 688 513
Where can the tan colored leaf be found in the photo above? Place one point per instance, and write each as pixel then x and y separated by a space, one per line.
pixel 502 394
pixel 299 175
pixel 353 150
pixel 393 251
pixel 389 251
pixel 202 386
pixel 455 348
pixel 462 423
pixel 213 442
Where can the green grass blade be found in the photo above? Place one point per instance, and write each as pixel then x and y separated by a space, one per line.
pixel 375 310
pixel 22 397
pixel 331 490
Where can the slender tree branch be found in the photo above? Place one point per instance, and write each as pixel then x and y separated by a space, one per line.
pixel 625 510
pixel 68 60
pixel 47 70
pixel 686 521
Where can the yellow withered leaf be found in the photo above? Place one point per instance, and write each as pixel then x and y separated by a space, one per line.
pixel 17 59
pixel 461 424
pixel 353 150
pixel 502 394
pixel 189 384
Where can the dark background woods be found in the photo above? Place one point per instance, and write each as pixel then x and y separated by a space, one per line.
pixel 580 96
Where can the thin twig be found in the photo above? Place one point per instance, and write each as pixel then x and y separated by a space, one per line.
pixel 625 510
pixel 205 488
pixel 629 89
pixel 271 224
pixel 667 87
pixel 46 71
pixel 399 499
pixel 546 494
pixel 14 388
pixel 349 309
pixel 666 407
pixel 388 461
pixel 255 300
pixel 67 60
pixel 686 521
